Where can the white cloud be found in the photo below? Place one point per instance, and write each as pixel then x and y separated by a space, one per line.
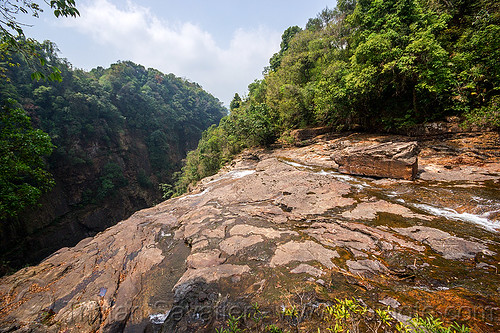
pixel 182 48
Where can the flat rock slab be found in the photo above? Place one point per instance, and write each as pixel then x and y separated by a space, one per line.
pixel 210 274
pixel 234 244
pixel 308 269
pixel 245 229
pixel 388 160
pixel 366 267
pixel 205 259
pixel 358 238
pixel 369 210
pixel 303 251
pixel 450 247
pixel 266 230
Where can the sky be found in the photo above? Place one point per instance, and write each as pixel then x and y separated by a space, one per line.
pixel 223 45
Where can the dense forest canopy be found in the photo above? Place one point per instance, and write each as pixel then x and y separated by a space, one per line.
pixel 23 175
pixel 372 64
pixel 89 113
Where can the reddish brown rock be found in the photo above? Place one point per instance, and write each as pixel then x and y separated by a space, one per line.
pixel 309 133
pixel 366 267
pixel 308 269
pixel 214 273
pixel 306 251
pixel 205 259
pixel 369 210
pixel 450 247
pixel 264 231
pixel 234 244
pixel 388 160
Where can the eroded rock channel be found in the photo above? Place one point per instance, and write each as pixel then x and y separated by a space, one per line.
pixel 278 228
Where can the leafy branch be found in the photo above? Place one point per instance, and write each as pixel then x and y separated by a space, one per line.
pixel 14 40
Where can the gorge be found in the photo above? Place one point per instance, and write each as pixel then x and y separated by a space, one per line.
pixel 118 133
pixel 280 229
pixel 355 188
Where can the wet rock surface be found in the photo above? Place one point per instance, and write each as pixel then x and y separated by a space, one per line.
pixel 284 227
pixel 450 247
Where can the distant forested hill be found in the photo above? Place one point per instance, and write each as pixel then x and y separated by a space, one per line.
pixel 118 133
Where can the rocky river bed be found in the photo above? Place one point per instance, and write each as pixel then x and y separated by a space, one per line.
pixel 281 229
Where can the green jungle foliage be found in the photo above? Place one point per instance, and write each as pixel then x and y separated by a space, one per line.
pixel 374 64
pixel 13 39
pixel 105 109
pixel 23 177
pixel 344 315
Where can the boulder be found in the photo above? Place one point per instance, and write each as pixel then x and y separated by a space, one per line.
pixel 388 160
pixel 309 133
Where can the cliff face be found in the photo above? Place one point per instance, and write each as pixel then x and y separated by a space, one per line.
pixel 283 229
pixel 68 213
pixel 119 133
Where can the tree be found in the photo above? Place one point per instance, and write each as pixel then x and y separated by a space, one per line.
pixel 321 20
pixel 255 125
pixel 23 178
pixel 287 36
pixel 13 39
pixel 235 103
pixel 346 6
pixel 379 65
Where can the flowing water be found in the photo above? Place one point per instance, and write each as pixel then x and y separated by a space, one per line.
pixel 468 211
pixel 462 203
